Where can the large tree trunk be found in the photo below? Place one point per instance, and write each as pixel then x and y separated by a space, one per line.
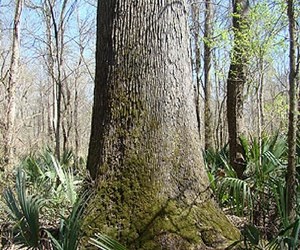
pixel 11 87
pixel 144 152
pixel 291 179
pixel 235 84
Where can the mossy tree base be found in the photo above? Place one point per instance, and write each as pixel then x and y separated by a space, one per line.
pixel 168 225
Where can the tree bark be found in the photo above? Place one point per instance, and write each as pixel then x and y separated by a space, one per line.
pixel 196 61
pixel 58 30
pixel 235 85
pixel 50 62
pixel 152 190
pixel 208 121
pixel 291 180
pixel 11 87
pixel 260 104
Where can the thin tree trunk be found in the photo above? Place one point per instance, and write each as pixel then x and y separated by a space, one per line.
pixel 67 118
pixel 76 123
pixel 60 77
pixel 76 93
pixel 207 75
pixel 220 106
pixel 291 180
pixel 235 85
pixel 11 88
pixel 52 108
pixel 260 117
pixel 57 88
pixel 145 154
pixel 197 59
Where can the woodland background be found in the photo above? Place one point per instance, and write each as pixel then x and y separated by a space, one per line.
pixel 56 65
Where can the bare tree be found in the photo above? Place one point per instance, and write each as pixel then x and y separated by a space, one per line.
pixel 58 29
pixel 11 86
pixel 56 15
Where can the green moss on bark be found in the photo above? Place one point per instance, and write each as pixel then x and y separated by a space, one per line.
pixel 143 220
pixel 132 203
pixel 145 196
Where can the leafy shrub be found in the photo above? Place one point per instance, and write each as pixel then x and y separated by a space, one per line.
pixel 44 186
pixel 261 195
pixel 24 210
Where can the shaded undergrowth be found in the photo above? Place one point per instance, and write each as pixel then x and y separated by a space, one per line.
pixel 43 201
pixel 260 198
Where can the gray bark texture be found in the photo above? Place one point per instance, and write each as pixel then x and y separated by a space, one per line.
pixel 11 87
pixel 152 190
pixel 208 33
